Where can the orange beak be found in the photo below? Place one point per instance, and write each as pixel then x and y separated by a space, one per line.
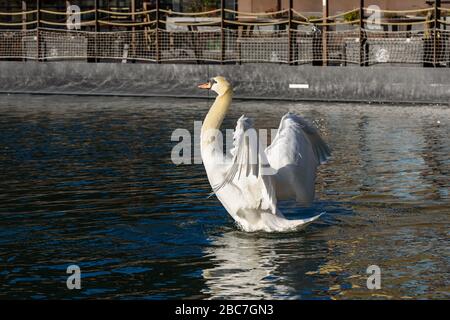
pixel 206 85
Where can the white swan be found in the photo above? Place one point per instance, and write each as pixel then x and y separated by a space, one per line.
pixel 251 181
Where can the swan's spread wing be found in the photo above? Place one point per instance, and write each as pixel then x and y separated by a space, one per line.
pixel 296 152
pixel 247 169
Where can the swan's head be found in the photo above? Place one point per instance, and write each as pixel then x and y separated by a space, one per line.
pixel 220 85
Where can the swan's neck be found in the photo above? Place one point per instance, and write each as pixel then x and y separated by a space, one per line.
pixel 215 116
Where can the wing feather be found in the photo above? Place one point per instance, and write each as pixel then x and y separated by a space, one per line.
pixel 295 153
pixel 246 169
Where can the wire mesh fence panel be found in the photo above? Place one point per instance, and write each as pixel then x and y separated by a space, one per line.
pixel 343 47
pixel 232 52
pixel 405 47
pixel 257 46
pixel 303 46
pixel 18 44
pixel 126 45
pixel 443 45
pixel 408 37
pixel 415 47
pixel 193 46
pixel 231 49
pixel 62 44
pixel 353 49
pixel 143 45
pixel 113 45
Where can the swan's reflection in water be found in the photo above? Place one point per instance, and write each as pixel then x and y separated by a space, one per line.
pixel 258 266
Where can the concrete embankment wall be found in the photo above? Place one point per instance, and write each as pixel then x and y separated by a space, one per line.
pixel 252 81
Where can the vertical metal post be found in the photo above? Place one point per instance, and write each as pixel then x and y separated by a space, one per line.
pixel 133 28
pixel 361 34
pixel 222 30
pixel 324 32
pixel 96 29
pixel 38 13
pixel 436 25
pixel 96 5
pixel 290 52
pixel 239 32
pixel 24 16
pixel 158 49
pixel 24 21
pixel 133 11
pixel 38 24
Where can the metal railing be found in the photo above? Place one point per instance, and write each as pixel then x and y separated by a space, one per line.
pixel 228 36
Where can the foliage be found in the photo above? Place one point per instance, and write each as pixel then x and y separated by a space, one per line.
pixel 202 5
pixel 314 18
pixel 351 16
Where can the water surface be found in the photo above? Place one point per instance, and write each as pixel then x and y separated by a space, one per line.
pixel 89 181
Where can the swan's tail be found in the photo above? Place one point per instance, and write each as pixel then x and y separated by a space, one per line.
pixel 301 223
pixel 275 223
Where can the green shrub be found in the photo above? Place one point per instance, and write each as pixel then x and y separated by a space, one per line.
pixel 351 16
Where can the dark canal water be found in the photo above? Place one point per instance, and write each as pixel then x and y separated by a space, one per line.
pixel 89 181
